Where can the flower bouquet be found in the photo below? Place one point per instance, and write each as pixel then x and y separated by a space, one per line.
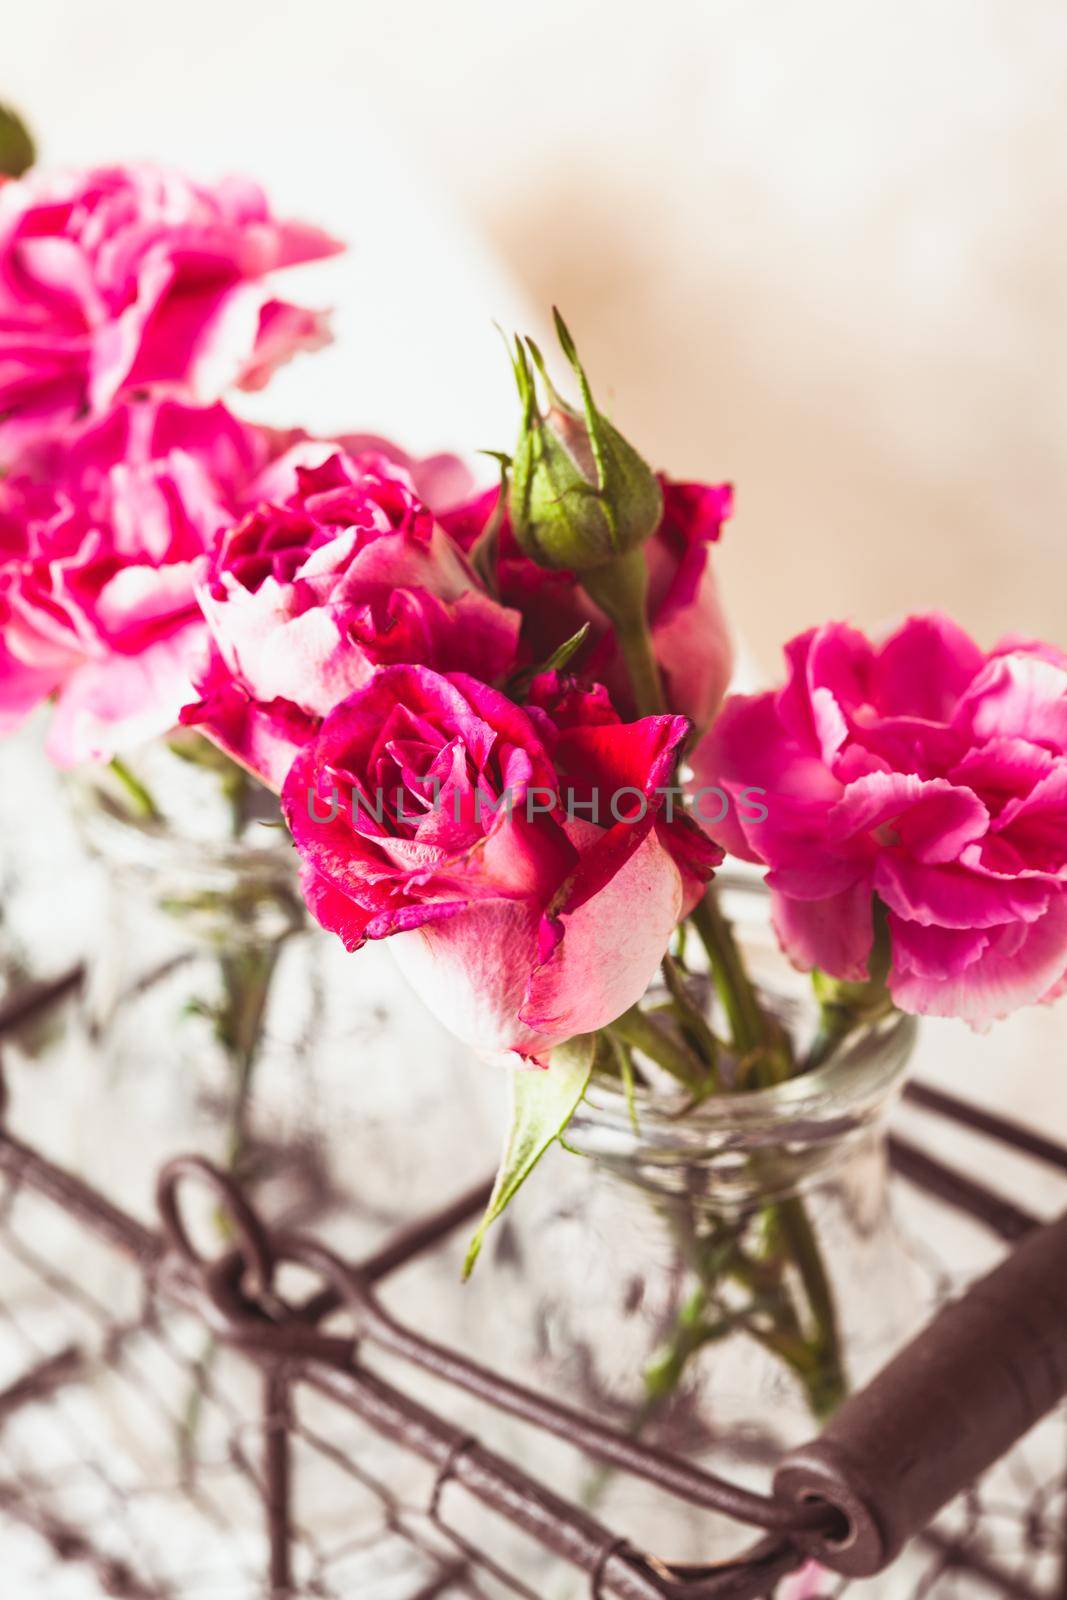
pixel 494 721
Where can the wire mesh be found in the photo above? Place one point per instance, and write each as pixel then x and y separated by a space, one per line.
pixel 186 1426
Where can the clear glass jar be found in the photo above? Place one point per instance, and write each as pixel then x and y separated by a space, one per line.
pixel 200 915
pixel 225 1021
pixel 713 1278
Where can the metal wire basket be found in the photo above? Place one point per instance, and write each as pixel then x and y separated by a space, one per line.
pixel 167 1405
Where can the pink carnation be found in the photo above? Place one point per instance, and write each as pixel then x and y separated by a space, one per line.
pixel 927 775
pixel 520 926
pixel 121 278
pixel 305 599
pixel 100 536
pixel 689 634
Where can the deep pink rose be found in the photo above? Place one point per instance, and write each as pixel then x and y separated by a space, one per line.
pixel 438 480
pixel 689 633
pixel 925 773
pixel 120 278
pixel 306 599
pixel 519 930
pixel 100 536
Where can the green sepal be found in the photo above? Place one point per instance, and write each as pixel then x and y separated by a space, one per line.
pixel 543 1102
pixel 485 550
pixel 519 684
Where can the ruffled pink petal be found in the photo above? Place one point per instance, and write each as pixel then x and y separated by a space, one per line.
pixel 139 600
pixel 441 481
pixel 308 658
pixel 118 702
pixel 933 821
pixel 938 953
pixel 746 749
pixel 21 688
pixel 1002 769
pixel 834 934
pixel 283 331
pixel 923 668
pixel 837 670
pixel 1021 966
pixel 690 637
pixel 263 737
pixel 1018 697
pixel 1018 645
pixel 1035 824
pixel 957 896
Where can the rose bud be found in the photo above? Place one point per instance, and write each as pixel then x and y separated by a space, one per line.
pixel 581 496
pixel 17 153
pixel 582 499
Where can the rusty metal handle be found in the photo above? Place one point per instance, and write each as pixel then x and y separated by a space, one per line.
pixel 978 1377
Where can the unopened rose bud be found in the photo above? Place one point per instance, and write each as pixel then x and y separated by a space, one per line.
pixel 16 147
pixel 581 496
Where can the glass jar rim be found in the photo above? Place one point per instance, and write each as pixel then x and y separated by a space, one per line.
pixel 852 1085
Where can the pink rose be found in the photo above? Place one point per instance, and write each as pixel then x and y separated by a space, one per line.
pixel 446 829
pixel 925 774
pixel 120 278
pixel 439 480
pixel 100 536
pixel 689 633
pixel 306 599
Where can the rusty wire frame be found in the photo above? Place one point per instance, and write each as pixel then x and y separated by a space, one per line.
pixel 315 1344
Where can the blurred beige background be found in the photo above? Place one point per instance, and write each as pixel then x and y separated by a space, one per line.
pixel 816 248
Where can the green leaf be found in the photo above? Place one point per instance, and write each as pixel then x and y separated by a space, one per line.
pixel 567 650
pixel 543 1103
pixel 556 662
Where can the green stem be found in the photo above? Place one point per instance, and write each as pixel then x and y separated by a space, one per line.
pixel 827 1385
pixel 749 1025
pixel 637 1029
pixel 246 978
pixel 237 787
pixel 693 1023
pixel 836 1025
pixel 621 592
pixel 636 646
pixel 624 1062
pixel 796 1321
pixel 664 1372
pixel 144 806
pixel 843 1008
